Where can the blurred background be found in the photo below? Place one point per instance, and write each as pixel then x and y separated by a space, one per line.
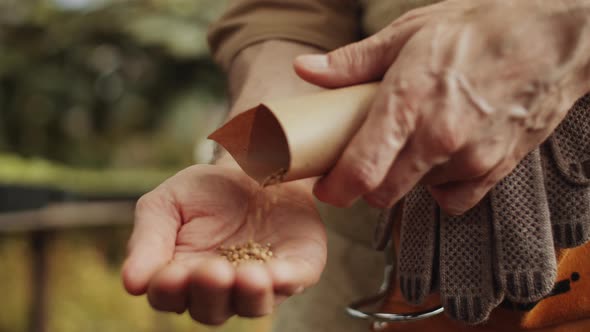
pixel 100 100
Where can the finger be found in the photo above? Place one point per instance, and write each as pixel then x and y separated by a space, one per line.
pixel 466 247
pixel 292 276
pixel 432 144
pixel 210 291
pixel 470 163
pixel 405 173
pixel 279 299
pixel 253 293
pixel 151 245
pixel 370 58
pixel 418 214
pixel 368 157
pixel 168 289
pixel 521 216
pixel 458 197
pixel 360 62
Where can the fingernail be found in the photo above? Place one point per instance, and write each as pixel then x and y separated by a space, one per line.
pixel 379 200
pixel 313 61
pixel 298 290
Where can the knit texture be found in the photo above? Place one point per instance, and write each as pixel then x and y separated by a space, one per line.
pixel 566 161
pixel 417 245
pixel 467 287
pixel 526 266
pixel 505 246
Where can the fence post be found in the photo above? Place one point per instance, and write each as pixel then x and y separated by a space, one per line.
pixel 39 241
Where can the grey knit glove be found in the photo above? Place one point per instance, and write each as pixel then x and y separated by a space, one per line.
pixel 504 247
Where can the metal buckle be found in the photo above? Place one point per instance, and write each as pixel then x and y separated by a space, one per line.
pixel 355 310
pixel 360 308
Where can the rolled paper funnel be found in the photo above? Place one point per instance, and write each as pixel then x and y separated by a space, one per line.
pixel 300 137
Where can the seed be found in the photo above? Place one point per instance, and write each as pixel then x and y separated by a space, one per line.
pixel 249 251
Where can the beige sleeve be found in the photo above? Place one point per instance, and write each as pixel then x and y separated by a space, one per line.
pixel 326 24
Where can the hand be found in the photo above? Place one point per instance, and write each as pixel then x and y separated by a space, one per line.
pixel 469 88
pixel 179 225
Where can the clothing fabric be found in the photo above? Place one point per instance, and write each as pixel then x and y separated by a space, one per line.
pixel 565 309
pixel 325 24
pixel 251 21
pixel 503 248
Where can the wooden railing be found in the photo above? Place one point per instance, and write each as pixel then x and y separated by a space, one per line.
pixel 42 223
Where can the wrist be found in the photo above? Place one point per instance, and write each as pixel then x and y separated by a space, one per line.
pixel 260 72
pixel 265 71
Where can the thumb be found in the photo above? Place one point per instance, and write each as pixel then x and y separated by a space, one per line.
pixel 151 245
pixel 360 62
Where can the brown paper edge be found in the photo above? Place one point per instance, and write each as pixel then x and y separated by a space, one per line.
pixel 301 137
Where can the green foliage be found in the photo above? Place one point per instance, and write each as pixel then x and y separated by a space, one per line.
pixel 96 83
pixel 100 96
pixel 39 172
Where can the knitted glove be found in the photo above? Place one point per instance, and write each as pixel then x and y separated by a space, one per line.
pixel 503 247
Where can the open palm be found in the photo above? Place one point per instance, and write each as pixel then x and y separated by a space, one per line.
pixel 179 226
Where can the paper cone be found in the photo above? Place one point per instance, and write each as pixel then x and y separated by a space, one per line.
pixel 302 137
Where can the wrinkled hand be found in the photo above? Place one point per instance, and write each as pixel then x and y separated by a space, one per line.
pixel 469 88
pixel 179 225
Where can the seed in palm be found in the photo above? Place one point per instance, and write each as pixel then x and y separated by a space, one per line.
pixel 250 251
